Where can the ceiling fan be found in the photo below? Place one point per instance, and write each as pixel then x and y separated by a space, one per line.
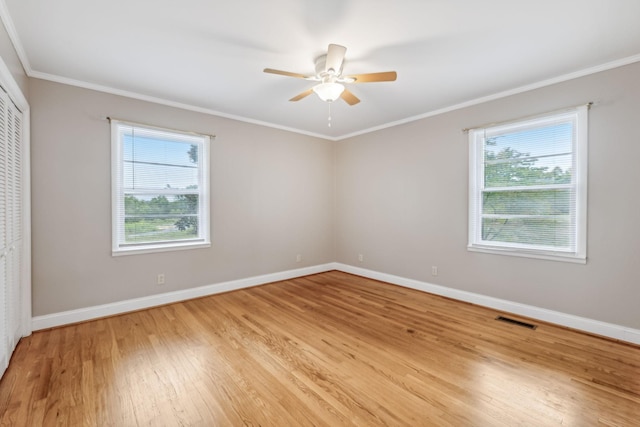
pixel 330 80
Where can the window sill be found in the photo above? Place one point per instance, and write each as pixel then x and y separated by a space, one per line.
pixel 167 247
pixel 575 259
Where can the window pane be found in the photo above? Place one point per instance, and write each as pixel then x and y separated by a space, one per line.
pixel 552 231
pixel 535 156
pixel 536 202
pixel 536 141
pixel 529 171
pixel 156 163
pixel 157 218
pixel 155 229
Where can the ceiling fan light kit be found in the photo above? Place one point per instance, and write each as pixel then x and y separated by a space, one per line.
pixel 328 70
pixel 329 91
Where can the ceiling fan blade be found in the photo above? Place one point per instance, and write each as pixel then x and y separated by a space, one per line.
pixel 387 76
pixel 335 56
pixel 304 94
pixel 285 73
pixel 349 97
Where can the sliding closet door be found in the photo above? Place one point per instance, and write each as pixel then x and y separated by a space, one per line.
pixel 11 227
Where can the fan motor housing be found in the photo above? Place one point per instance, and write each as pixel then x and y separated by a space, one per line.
pixel 321 63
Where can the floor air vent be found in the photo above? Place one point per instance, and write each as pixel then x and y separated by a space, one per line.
pixel 516 322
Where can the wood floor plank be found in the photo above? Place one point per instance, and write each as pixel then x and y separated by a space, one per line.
pixel 330 349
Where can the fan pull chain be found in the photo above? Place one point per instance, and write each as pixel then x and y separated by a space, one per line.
pixel 329 120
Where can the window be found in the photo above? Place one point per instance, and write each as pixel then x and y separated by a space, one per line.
pixel 528 187
pixel 159 189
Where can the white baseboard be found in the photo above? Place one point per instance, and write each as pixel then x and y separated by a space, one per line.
pixel 609 330
pixel 95 312
pixel 580 323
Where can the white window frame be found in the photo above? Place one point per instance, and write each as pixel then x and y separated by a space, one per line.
pixel 578 187
pixel 119 246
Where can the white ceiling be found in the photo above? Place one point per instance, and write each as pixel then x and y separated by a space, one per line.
pixel 209 55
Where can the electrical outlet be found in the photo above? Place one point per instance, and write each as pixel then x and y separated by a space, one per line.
pixel 360 257
pixel 434 270
pixel 160 279
pixel 298 258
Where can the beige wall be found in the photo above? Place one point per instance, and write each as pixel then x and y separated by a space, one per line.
pixel 271 198
pixel 402 203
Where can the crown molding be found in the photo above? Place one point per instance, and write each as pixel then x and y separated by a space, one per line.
pixel 548 82
pixel 13 36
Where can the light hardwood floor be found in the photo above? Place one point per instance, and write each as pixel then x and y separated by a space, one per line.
pixel 331 349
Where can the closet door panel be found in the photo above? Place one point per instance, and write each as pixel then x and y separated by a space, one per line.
pixel 14 221
pixel 11 227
